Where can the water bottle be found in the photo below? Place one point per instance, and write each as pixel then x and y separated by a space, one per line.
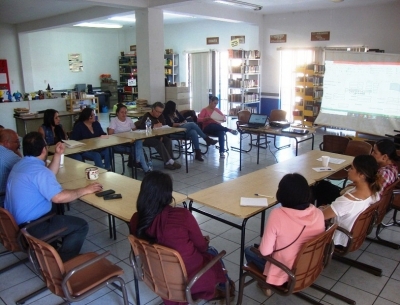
pixel 148 126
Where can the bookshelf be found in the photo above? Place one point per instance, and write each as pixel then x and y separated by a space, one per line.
pixel 244 91
pixel 308 93
pixel 77 104
pixel 128 77
pixel 172 68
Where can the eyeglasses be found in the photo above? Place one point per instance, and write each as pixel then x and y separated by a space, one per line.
pixel 159 112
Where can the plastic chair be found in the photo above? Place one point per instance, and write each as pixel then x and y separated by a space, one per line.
pixel 389 198
pixel 163 271
pixel 77 278
pixel 334 144
pixel 309 263
pixel 353 148
pixel 361 228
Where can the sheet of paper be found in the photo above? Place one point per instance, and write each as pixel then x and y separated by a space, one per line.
pixel 334 160
pixel 217 117
pixel 163 126
pixel 322 169
pixel 253 202
pixel 73 143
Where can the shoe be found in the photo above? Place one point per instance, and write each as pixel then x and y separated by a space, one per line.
pixel 234 132
pixel 210 141
pixel 176 165
pixel 198 155
pixel 169 166
pixel 222 155
pixel 137 165
pixel 266 291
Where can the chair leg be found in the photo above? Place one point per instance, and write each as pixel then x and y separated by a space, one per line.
pixel 30 296
pixel 25 260
pixel 333 294
pixel 121 287
pixel 368 268
pixel 382 241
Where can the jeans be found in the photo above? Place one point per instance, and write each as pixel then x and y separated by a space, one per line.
pixel 219 131
pixel 138 152
pixel 193 132
pixel 73 237
pixel 97 156
pixel 251 257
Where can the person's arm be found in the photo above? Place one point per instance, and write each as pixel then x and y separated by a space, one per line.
pixel 41 130
pixel 220 112
pixel 203 116
pixel 181 119
pixel 77 132
pixel 169 122
pixel 97 130
pixel 111 128
pixel 327 211
pixel 142 121
pixel 110 131
pixel 54 165
pixel 69 195
pixel 195 235
pixel 269 237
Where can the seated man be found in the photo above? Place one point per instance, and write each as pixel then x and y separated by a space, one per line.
pixel 9 155
pixel 163 145
pixel 31 189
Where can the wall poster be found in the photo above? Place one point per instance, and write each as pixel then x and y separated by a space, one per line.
pixel 75 62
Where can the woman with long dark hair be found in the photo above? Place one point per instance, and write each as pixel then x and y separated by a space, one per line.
pixel 86 127
pixel 157 221
pixel 51 129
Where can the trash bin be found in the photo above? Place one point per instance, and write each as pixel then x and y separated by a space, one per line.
pixel 103 101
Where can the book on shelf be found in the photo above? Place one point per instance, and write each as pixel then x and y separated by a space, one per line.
pixel 73 143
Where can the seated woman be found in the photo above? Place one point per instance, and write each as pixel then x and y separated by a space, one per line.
pixel 157 221
pixel 51 129
pixel 86 127
pixel 288 228
pixel 346 208
pixel 122 123
pixel 174 119
pixel 214 127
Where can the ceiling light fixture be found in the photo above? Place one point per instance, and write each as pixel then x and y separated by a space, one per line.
pixel 177 15
pixel 240 3
pixel 128 18
pixel 99 25
pixel 337 1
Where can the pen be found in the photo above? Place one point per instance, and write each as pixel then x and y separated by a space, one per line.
pixel 326 169
pixel 261 195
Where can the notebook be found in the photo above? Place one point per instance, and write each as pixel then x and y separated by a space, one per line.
pixel 253 202
pixel 73 143
pixel 295 131
pixel 256 121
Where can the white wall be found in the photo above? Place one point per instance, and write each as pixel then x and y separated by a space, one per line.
pixel 371 26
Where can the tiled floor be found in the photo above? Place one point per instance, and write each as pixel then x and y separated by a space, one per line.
pixel 365 288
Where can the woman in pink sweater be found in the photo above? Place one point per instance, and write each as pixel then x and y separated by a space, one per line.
pixel 288 228
pixel 213 127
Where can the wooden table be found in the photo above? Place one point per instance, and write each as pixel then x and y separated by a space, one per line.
pixel 225 197
pixel 141 135
pixel 269 131
pixel 121 208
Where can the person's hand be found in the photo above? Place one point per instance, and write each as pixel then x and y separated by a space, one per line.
pixel 104 136
pixel 60 148
pixel 94 187
pixel 207 238
pixel 158 125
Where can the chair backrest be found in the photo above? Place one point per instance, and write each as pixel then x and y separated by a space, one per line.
pixel 312 258
pixel 9 232
pixel 49 261
pixel 356 148
pixel 243 116
pixel 335 144
pixel 277 115
pixel 383 204
pixel 163 269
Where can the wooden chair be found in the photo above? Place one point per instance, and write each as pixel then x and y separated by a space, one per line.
pixel 353 148
pixel 334 144
pixel 163 271
pixel 309 263
pixel 361 228
pixel 389 198
pixel 77 278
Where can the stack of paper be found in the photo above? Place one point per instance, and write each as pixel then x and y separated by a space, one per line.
pixel 253 202
pixel 217 117
pixel 73 143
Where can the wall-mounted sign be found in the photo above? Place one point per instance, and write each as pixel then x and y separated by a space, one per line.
pixel 278 38
pixel 234 43
pixel 212 40
pixel 132 48
pixel 241 38
pixel 320 36
pixel 75 62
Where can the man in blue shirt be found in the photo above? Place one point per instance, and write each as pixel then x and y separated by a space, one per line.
pixel 9 155
pixel 32 188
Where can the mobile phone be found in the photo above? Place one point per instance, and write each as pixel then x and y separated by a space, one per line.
pixel 112 196
pixel 104 193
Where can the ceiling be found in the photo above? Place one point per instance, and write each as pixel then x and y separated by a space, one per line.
pixel 28 11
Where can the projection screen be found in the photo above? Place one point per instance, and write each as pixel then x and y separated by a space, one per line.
pixel 361 92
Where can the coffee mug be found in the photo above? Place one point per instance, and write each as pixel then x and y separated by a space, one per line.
pixel 92 173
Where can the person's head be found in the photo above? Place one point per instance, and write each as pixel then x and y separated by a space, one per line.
pixel 9 139
pixel 157 109
pixel 155 194
pixel 364 169
pixel 170 108
pixel 1 127
pixel 293 192
pixel 213 102
pixel 87 115
pixel 33 145
pixel 51 118
pixel 384 152
pixel 121 112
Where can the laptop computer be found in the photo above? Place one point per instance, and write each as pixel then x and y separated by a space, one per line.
pixel 256 121
pixel 298 131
